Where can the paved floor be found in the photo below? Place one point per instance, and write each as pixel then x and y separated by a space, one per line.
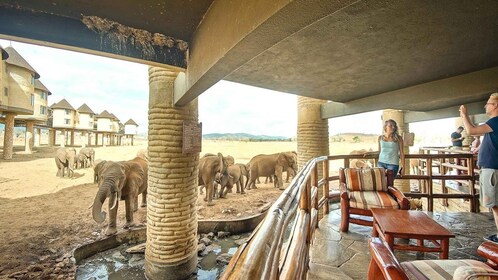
pixel 336 255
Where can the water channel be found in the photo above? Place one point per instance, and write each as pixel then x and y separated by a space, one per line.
pixel 117 264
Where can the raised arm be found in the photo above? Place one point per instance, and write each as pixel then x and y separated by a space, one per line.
pixel 470 127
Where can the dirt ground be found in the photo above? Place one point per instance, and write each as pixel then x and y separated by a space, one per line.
pixel 43 218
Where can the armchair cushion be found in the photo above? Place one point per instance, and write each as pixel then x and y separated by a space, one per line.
pixel 368 200
pixel 368 179
pixel 474 273
pixel 438 269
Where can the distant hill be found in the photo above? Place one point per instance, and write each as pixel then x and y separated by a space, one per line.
pixel 243 137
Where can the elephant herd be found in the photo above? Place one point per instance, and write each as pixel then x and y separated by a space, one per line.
pixel 222 170
pixel 67 159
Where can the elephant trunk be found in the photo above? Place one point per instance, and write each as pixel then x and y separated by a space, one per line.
pixel 98 214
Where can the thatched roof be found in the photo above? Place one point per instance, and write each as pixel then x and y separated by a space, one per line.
pixel 131 122
pixel 114 117
pixel 40 85
pixel 16 59
pixel 63 104
pixel 85 109
pixel 104 115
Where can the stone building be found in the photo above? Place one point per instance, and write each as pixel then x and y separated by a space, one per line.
pixel 23 101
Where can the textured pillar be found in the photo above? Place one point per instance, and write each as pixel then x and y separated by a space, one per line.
pixel 63 140
pixel 52 133
pixel 171 251
pixel 28 137
pixel 72 132
pixel 399 117
pixel 8 137
pixel 312 131
pixel 37 137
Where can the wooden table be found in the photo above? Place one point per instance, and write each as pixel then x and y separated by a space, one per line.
pixel 389 224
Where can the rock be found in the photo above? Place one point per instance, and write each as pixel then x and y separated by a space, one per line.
pixel 200 248
pixel 235 237
pixel 223 258
pixel 223 234
pixel 210 235
pixel 138 249
pixel 136 260
pixel 240 241
pixel 117 256
pixel 206 241
pixel 36 267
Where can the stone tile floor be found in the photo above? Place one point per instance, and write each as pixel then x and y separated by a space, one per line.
pixel 336 255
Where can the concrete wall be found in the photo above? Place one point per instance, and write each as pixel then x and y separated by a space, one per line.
pixel 131 129
pixel 104 125
pixel 85 121
pixel 20 87
pixel 59 117
pixel 39 101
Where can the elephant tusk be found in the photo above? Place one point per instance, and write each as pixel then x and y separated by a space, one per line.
pixel 89 207
pixel 115 201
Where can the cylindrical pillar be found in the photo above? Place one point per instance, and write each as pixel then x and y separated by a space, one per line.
pixel 72 132
pixel 8 137
pixel 28 138
pixel 171 251
pixel 63 140
pixel 52 134
pixel 399 117
pixel 312 131
pixel 37 137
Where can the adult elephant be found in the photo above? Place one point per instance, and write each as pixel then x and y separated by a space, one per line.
pixel 269 165
pixel 89 155
pixel 123 180
pixel 234 175
pixel 209 166
pixel 65 159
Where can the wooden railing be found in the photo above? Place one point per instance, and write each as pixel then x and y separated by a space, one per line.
pixel 279 247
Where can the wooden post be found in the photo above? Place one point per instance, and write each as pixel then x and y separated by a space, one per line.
pixel 326 187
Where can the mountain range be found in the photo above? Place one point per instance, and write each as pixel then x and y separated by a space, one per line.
pixel 243 136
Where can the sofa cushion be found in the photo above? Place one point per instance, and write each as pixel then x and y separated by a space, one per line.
pixel 437 269
pixel 474 273
pixel 369 200
pixel 365 179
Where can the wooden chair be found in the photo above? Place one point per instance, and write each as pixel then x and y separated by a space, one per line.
pixel 384 265
pixel 365 188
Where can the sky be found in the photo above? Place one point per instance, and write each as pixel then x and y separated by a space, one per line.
pixel 121 88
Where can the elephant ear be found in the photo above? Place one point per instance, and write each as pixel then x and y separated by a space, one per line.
pixel 61 156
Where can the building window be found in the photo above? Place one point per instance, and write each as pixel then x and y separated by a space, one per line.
pixel 43 110
pixel 6 91
pixel 32 79
pixel 90 124
pixel 44 95
pixel 67 111
pixel 67 121
pixel 32 100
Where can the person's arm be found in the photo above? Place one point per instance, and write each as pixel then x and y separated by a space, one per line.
pixel 472 129
pixel 401 155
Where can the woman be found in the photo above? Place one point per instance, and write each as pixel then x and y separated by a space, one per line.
pixel 391 148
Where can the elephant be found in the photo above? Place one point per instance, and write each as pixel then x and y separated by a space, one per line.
pixel 65 159
pixel 81 161
pixel 230 161
pixel 234 176
pixel 209 166
pixel 97 168
pixel 269 165
pixel 290 173
pixel 123 180
pixel 89 154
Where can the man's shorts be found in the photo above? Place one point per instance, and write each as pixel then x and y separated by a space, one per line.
pixel 488 181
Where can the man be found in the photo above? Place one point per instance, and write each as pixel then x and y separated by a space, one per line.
pixel 457 139
pixel 487 158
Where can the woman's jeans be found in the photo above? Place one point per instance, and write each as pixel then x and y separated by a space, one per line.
pixel 393 167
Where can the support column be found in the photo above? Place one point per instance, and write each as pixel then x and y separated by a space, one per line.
pixel 89 138
pixel 96 138
pixel 83 138
pixel 37 137
pixel 63 140
pixel 399 117
pixel 52 133
pixel 132 140
pixel 72 137
pixel 8 136
pixel 28 137
pixel 312 131
pixel 171 251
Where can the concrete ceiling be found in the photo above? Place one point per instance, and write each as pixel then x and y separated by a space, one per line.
pixel 424 56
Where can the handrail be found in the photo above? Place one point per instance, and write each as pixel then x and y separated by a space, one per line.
pixel 279 247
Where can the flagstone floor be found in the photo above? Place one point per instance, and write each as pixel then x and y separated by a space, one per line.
pixel 336 255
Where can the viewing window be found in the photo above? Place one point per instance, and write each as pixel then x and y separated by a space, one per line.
pixel 6 91
pixel 32 100
pixel 67 111
pixel 67 121
pixel 43 110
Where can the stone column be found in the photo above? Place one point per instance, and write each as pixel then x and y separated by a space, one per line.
pixel 96 138
pixel 72 137
pixel 89 138
pixel 312 131
pixel 399 117
pixel 83 138
pixel 8 136
pixel 28 138
pixel 52 134
pixel 132 140
pixel 37 137
pixel 171 251
pixel 63 140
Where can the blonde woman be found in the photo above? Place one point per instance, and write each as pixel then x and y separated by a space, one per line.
pixel 391 148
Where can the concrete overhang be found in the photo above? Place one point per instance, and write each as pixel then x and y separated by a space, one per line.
pixel 421 56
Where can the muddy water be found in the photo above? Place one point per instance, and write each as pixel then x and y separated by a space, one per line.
pixel 116 264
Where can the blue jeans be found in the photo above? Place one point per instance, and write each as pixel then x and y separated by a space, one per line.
pixel 393 167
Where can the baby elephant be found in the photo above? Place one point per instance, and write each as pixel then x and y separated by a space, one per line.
pixel 235 175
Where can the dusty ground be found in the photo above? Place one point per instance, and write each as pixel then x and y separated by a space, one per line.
pixel 44 217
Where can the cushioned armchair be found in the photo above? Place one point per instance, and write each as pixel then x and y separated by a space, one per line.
pixel 365 188
pixel 384 265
